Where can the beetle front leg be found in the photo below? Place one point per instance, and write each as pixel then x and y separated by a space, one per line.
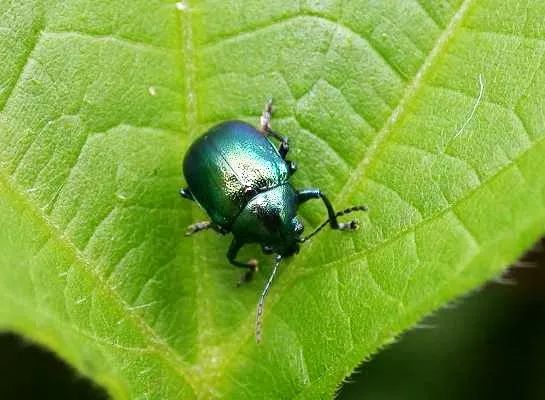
pixel 309 194
pixel 250 265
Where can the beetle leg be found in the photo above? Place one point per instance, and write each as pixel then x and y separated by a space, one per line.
pixel 197 227
pixel 186 194
pixel 265 122
pixel 292 167
pixel 284 146
pixel 283 150
pixel 309 194
pixel 250 265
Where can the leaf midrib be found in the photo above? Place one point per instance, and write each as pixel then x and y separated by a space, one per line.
pixel 408 95
pixel 190 129
pixel 171 358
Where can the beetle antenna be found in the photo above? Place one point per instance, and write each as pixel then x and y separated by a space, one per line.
pixel 338 214
pixel 261 304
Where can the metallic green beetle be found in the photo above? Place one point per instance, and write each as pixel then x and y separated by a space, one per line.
pixel 241 180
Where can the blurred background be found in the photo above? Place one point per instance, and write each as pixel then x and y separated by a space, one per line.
pixel 488 345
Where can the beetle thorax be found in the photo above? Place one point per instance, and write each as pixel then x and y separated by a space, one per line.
pixel 270 219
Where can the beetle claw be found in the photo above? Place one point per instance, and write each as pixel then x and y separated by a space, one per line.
pixel 248 275
pixel 349 226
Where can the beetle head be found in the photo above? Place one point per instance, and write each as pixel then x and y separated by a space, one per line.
pixel 290 233
pixel 270 219
pixel 282 231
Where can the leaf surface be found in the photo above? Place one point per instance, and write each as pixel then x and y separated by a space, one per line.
pixel 99 100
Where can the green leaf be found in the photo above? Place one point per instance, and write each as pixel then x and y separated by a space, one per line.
pixel 100 99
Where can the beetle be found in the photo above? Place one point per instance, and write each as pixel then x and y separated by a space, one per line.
pixel 236 174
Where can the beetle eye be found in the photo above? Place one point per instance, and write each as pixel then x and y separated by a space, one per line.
pixel 272 222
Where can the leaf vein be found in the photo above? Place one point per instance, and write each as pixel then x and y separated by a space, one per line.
pixel 171 358
pixel 409 93
pixel 26 60
pixel 123 41
pixel 357 255
pixel 335 26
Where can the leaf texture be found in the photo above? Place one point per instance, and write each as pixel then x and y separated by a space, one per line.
pixel 99 100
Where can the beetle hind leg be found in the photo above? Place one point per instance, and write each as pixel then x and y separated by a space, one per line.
pixel 283 148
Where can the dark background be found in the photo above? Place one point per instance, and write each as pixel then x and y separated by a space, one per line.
pixel 489 345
